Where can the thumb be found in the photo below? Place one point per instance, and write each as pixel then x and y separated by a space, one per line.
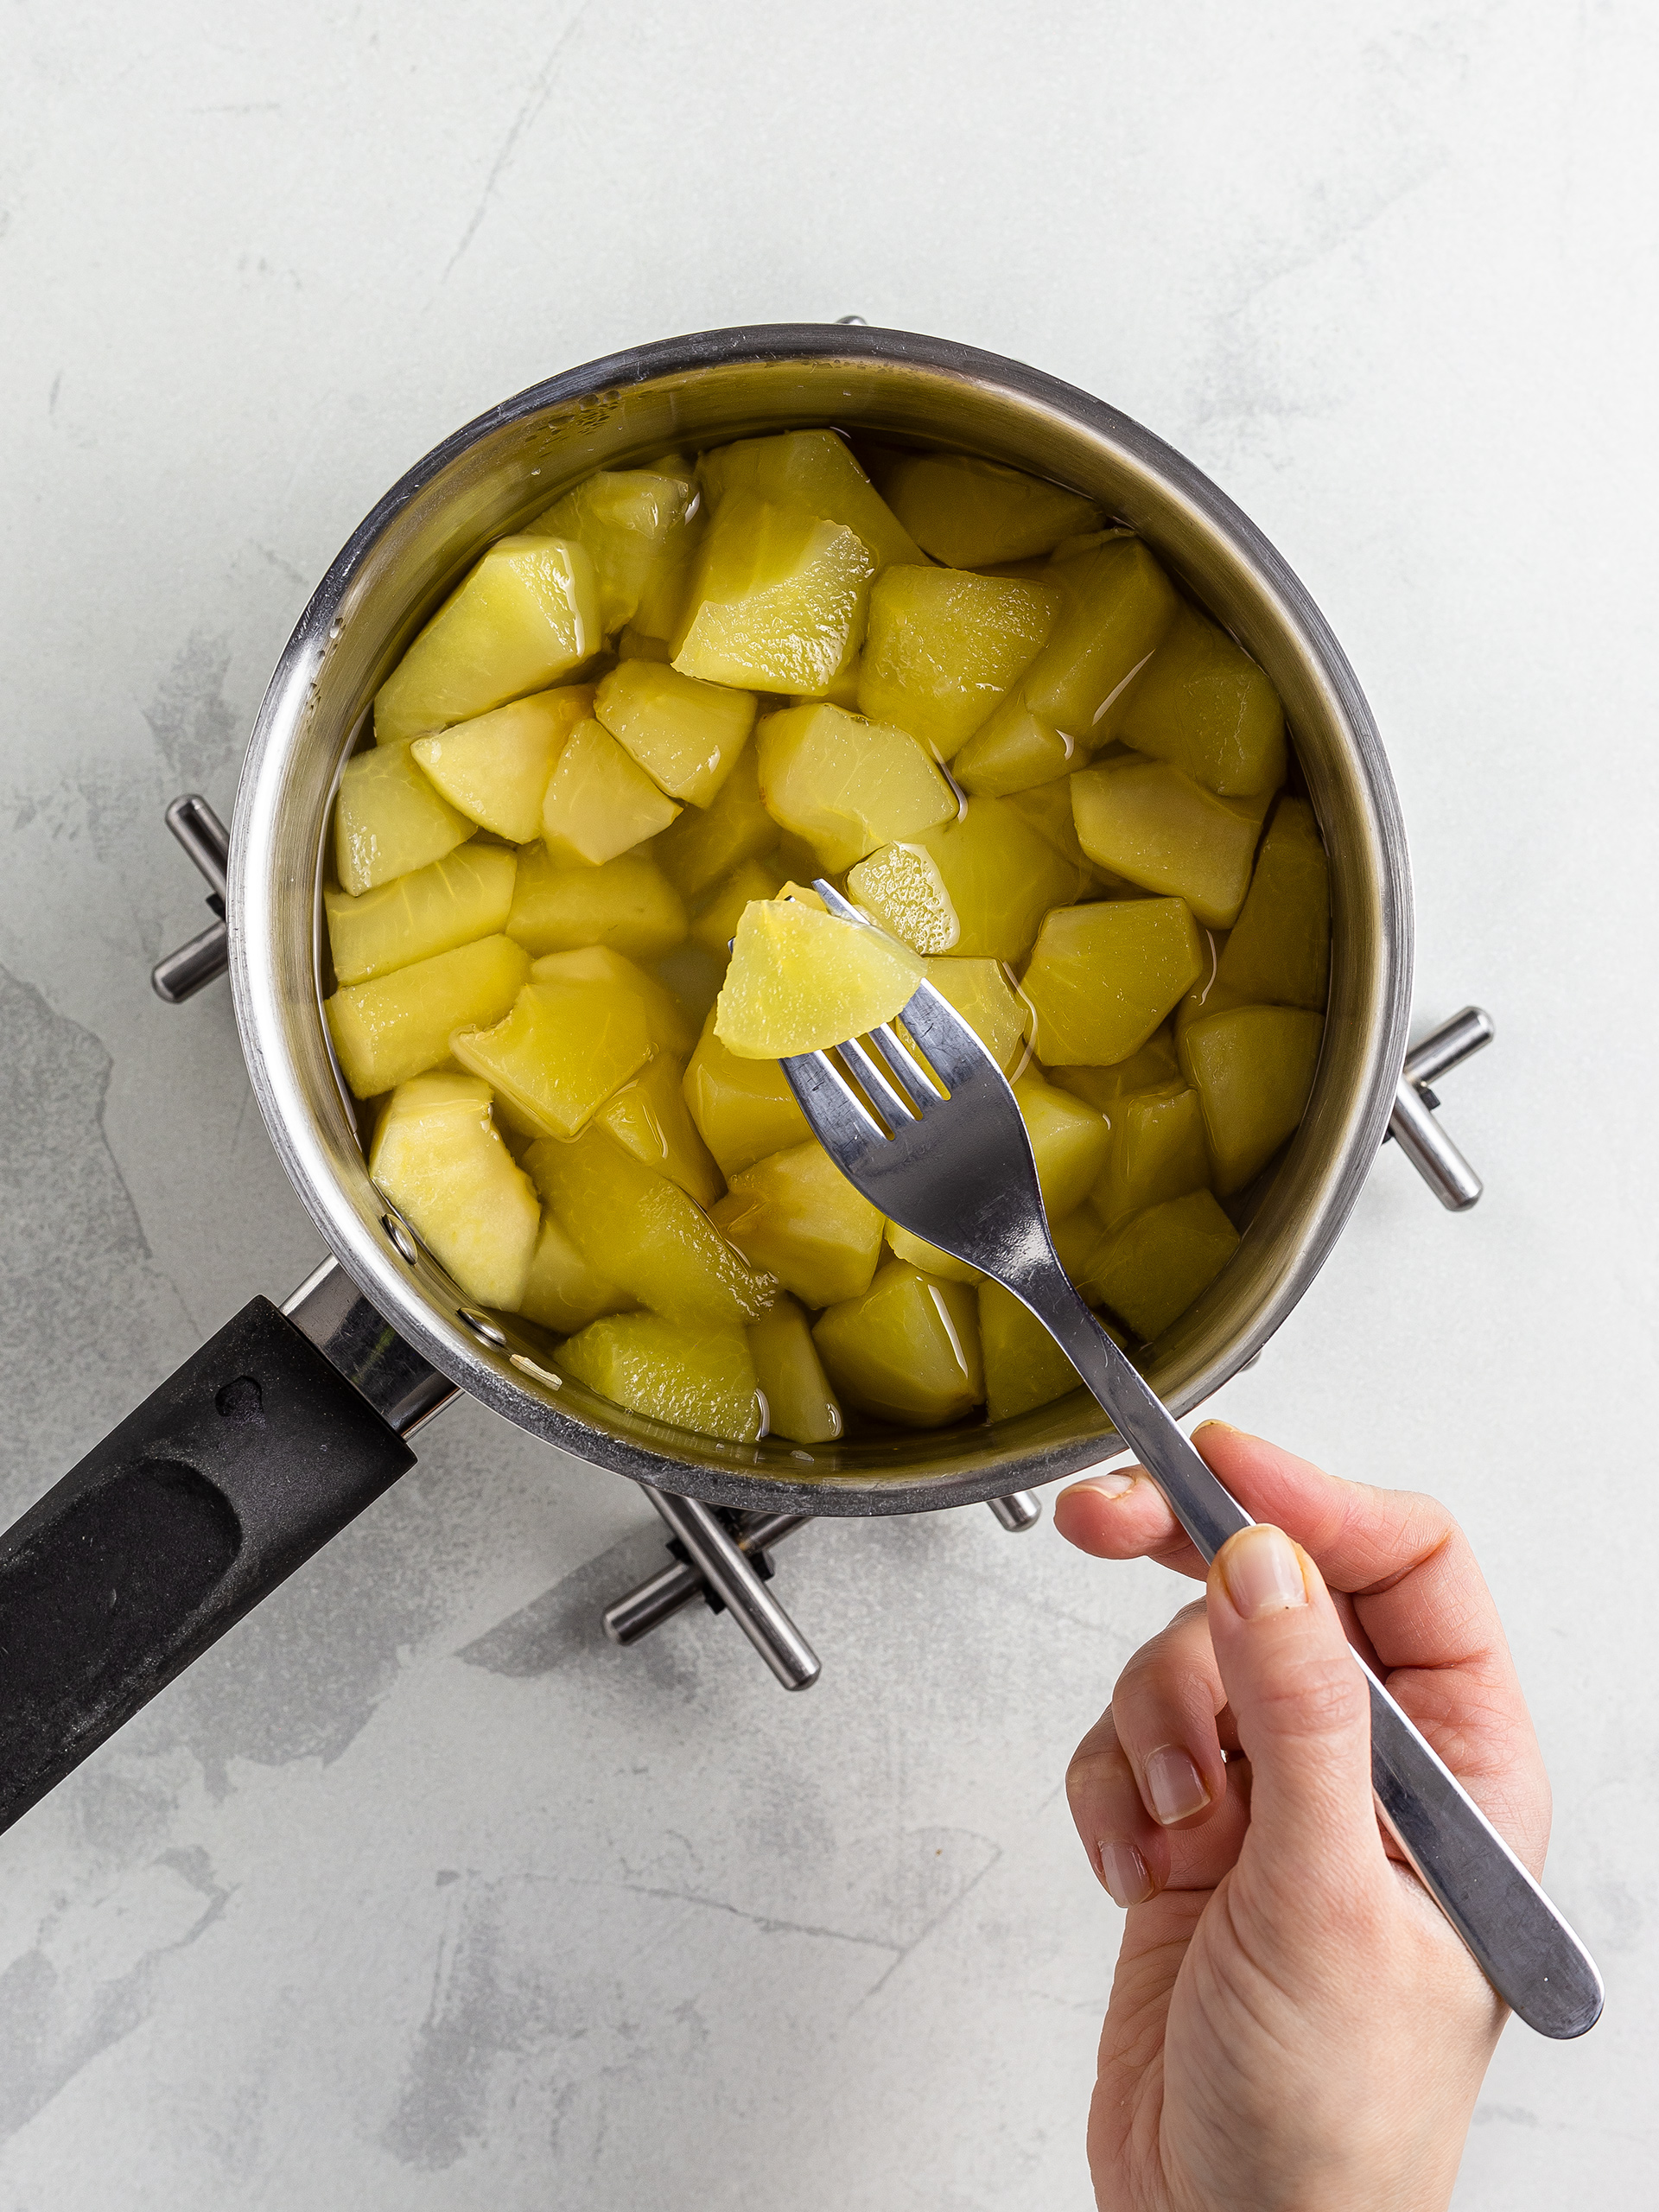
pixel 1302 1711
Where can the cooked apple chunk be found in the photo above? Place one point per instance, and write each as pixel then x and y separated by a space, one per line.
pixel 599 802
pixel 707 842
pixel 564 1291
pixel 813 472
pixel 439 1158
pixel 1278 952
pixel 466 895
pixel 800 1405
pixel 1153 826
pixel 1070 1141
pixel 526 615
pixel 1204 706
pixel 389 820
pixel 1252 1068
pixel 776 599
pixel 1002 878
pixel 627 904
pixel 797 1217
pixel 800 979
pixel 974 514
pixel 1157 1151
pixel 943 646
pixel 743 1108
pixel 399 1025
pixel 901 887
pixel 684 735
pixel 847 785
pixel 698 1377
pixel 558 1054
pixel 1103 977
pixel 907 1350
pixel 627 519
pixel 1024 1366
pixel 495 769
pixel 1149 1270
pixel 671 1034
pixel 987 1002
pixel 648 1118
pixel 716 924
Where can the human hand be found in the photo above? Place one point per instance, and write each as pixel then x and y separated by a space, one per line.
pixel 1292 2024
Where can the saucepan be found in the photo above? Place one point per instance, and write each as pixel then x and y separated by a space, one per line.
pixel 273 1435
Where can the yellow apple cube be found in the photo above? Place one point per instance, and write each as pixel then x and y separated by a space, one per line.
pixel 907 1350
pixel 452 901
pixel 901 889
pixel 776 599
pixel 1103 977
pixel 389 820
pixel 626 519
pixel 974 514
pixel 495 769
pixel 646 1233
pixel 685 735
pixel 671 1034
pixel 1148 823
pixel 599 802
pixel 1024 1366
pixel 628 903
pixel 1253 1068
pixel 557 1055
pixel 847 785
pixel 695 1377
pixel 943 646
pixel 1070 1141
pixel 649 1118
pixel 1156 1264
pixel 916 1252
pixel 439 1158
pixel 796 1215
pixel 814 473
pixel 707 843
pixel 564 1291
pixel 1155 1063
pixel 800 979
pixel 800 1405
pixel 1157 1151
pixel 1002 878
pixel 744 1109
pixel 716 926
pixel 398 1025
pixel 1205 707
pixel 1279 953
pixel 526 615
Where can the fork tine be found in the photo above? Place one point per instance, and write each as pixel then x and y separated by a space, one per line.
pixel 844 1123
pixel 887 1102
pixel 913 1077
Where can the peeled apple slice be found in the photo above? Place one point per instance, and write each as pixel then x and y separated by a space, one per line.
pixel 1148 823
pixel 439 1158
pixel 558 1055
pixel 628 903
pixel 801 979
pixel 389 820
pixel 776 599
pixel 400 1025
pixel 846 785
pixel 744 1109
pixel 696 1378
pixel 1000 876
pixel 671 1034
pixel 901 888
pixel 465 896
pixel 626 519
pixel 1069 1142
pixel 943 646
pixel 1252 1068
pixel 1205 707
pixel 685 735
pixel 1157 1151
pixel 527 614
pixel 814 472
pixel 599 802
pixel 800 1405
pixel 1279 953
pixel 495 768
pixel 648 1118
pixel 1151 1268
pixel 907 1351
pixel 797 1217
pixel 971 514
pixel 563 1291
pixel 1103 977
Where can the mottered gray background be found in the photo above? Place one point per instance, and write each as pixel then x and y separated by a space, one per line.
pixel 415 1893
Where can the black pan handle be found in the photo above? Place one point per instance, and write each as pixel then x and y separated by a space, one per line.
pixel 222 1482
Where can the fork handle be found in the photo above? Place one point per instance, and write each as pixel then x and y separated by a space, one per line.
pixel 1521 1943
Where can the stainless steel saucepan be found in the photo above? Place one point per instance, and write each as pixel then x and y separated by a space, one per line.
pixel 281 1429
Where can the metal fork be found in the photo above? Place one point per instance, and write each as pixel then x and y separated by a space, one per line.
pixel 948 1160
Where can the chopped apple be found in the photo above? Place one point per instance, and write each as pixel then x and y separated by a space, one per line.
pixel 564 1291
pixel 628 903
pixel 1156 1264
pixel 695 1377
pixel 1279 953
pixel 987 1002
pixel 398 1025
pixel 1024 1366
pixel 599 802
pixel 648 1118
pixel 1157 1151
pixel 454 901
pixel 671 1034
pixel 916 1252
pixel 645 1232
pixel 943 646
pixel 800 1405
pixel 813 472
pixel 439 1158
pixel 846 785
pixel 1147 822
pixel 801 979
pixel 626 519
pixel 1205 707
pixel 743 1108
pixel 1002 878
pixel 1153 1063
pixel 686 735
pixel 796 1215
pixel 389 820
pixel 907 1350
pixel 1103 977
pixel 1252 1068
pixel 973 514
pixel 1069 1142
pixel 526 615
pixel 900 886
pixel 557 1055
pixel 716 926
pixel 706 843
pixel 776 602
pixel 496 767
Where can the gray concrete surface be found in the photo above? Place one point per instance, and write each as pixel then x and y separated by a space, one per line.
pixel 415 1894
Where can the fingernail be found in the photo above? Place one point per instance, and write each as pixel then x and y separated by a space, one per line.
pixel 1124 1872
pixel 1225 1427
pixel 1109 1486
pixel 1263 1572
pixel 1174 1785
